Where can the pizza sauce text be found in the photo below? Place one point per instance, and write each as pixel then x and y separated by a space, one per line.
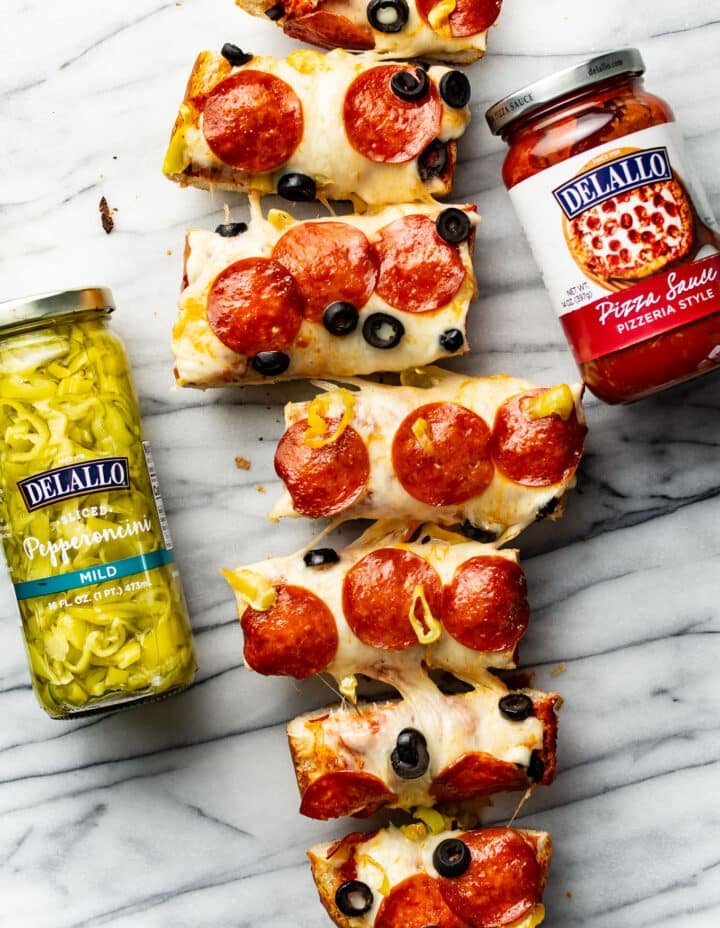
pixel 629 249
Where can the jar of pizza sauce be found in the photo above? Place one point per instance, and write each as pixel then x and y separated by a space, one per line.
pixel 81 517
pixel 623 233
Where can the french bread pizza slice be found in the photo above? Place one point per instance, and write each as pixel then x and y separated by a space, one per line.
pixel 335 125
pixel 397 878
pixel 426 748
pixel 280 299
pixel 448 30
pixel 399 597
pixel 490 453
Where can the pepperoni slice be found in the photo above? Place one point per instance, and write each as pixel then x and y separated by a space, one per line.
pixel 383 127
pixel 253 121
pixel 419 272
pixel 329 30
pixel 378 593
pixel 450 461
pixel 477 774
pixel 322 481
pixel 329 261
pixel 415 903
pixel 254 305
pixel 345 792
pixel 296 637
pixel 469 16
pixel 544 710
pixel 502 883
pixel 536 452
pixel 485 607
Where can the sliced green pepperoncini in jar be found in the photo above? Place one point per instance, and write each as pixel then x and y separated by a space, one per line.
pixel 81 517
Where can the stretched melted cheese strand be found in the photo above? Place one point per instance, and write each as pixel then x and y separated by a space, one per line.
pixel 300 109
pixel 503 452
pixel 374 580
pixel 202 359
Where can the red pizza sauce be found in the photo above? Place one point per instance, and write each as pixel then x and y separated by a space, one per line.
pixel 628 247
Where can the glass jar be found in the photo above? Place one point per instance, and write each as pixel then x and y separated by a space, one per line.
pixel 81 517
pixel 623 233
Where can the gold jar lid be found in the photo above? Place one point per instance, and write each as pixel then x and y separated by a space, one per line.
pixel 43 307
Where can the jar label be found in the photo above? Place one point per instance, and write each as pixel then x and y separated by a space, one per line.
pixel 77 536
pixel 647 310
pixel 52 486
pixel 626 240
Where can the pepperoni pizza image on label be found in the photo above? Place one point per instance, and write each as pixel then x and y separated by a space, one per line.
pixel 426 748
pixel 492 453
pixel 450 30
pixel 332 297
pixel 399 599
pixel 400 878
pixel 336 125
pixel 627 235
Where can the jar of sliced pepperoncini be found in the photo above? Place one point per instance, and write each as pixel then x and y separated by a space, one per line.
pixel 81 517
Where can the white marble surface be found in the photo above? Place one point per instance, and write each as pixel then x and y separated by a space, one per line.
pixel 184 813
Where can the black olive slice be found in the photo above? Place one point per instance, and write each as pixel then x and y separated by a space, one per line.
pixel 354 898
pixel 388 15
pixel 451 857
pixel 234 55
pixel 319 556
pixel 452 340
pixel 411 86
pixel 548 509
pixel 340 318
pixel 536 767
pixel 382 330
pixel 270 363
pixel 297 187
pixel 231 229
pixel 275 12
pixel 454 88
pixel 476 532
pixel 453 225
pixel 516 706
pixel 410 758
pixel 433 160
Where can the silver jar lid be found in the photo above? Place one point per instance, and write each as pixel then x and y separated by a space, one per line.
pixel 53 304
pixel 536 95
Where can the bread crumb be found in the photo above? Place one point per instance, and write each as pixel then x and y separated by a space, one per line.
pixel 108 223
pixel 260 488
pixel 242 463
pixel 561 668
pixel 568 895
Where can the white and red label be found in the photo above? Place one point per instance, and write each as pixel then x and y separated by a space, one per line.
pixel 626 241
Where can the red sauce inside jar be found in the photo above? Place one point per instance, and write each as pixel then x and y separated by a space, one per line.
pixel 642 306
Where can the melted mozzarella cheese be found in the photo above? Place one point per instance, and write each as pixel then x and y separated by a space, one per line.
pixel 505 507
pixel 202 360
pixel 321 82
pixel 399 668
